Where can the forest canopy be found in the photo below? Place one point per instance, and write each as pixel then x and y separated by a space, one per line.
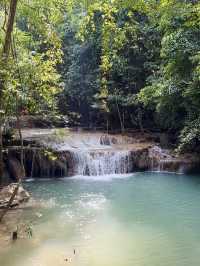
pixel 105 63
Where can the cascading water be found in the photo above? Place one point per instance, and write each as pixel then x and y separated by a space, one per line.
pixel 95 163
pixel 98 154
pixel 94 154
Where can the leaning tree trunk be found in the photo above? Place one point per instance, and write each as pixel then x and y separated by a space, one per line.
pixel 10 201
pixel 120 117
pixel 140 120
pixel 4 62
pixel 1 151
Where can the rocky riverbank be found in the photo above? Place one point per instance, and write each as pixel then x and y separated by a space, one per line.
pixel 57 153
pixel 11 221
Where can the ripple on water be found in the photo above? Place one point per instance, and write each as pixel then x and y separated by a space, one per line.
pixel 92 201
pixel 147 220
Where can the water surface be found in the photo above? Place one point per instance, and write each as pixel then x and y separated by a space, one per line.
pixel 143 219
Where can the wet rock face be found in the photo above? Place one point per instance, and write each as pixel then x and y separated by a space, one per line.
pixel 166 160
pixel 140 159
pixel 6 192
pixel 15 169
pixel 38 164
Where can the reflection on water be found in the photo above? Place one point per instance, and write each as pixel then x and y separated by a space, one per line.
pixel 147 219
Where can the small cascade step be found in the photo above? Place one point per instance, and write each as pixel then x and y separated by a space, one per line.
pixel 95 163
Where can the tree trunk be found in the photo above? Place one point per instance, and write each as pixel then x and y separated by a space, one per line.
pixel 9 30
pixel 1 153
pixel 21 144
pixel 107 124
pixel 20 177
pixel 4 60
pixel 140 121
pixel 120 117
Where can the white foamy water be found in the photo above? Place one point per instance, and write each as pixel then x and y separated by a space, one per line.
pixel 101 163
pixel 103 178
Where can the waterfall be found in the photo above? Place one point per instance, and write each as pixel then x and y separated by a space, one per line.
pixel 106 162
pixel 94 154
pixel 97 154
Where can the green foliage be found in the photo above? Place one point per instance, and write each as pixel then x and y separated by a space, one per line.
pixel 107 63
pixel 120 41
pixel 31 78
pixel 190 136
pixel 50 155
pixel 174 88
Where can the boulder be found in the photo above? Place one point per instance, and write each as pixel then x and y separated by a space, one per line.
pixel 6 192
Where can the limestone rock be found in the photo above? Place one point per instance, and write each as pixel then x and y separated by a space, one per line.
pixel 6 192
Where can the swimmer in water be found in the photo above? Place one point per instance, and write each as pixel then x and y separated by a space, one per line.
pixel 70 259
